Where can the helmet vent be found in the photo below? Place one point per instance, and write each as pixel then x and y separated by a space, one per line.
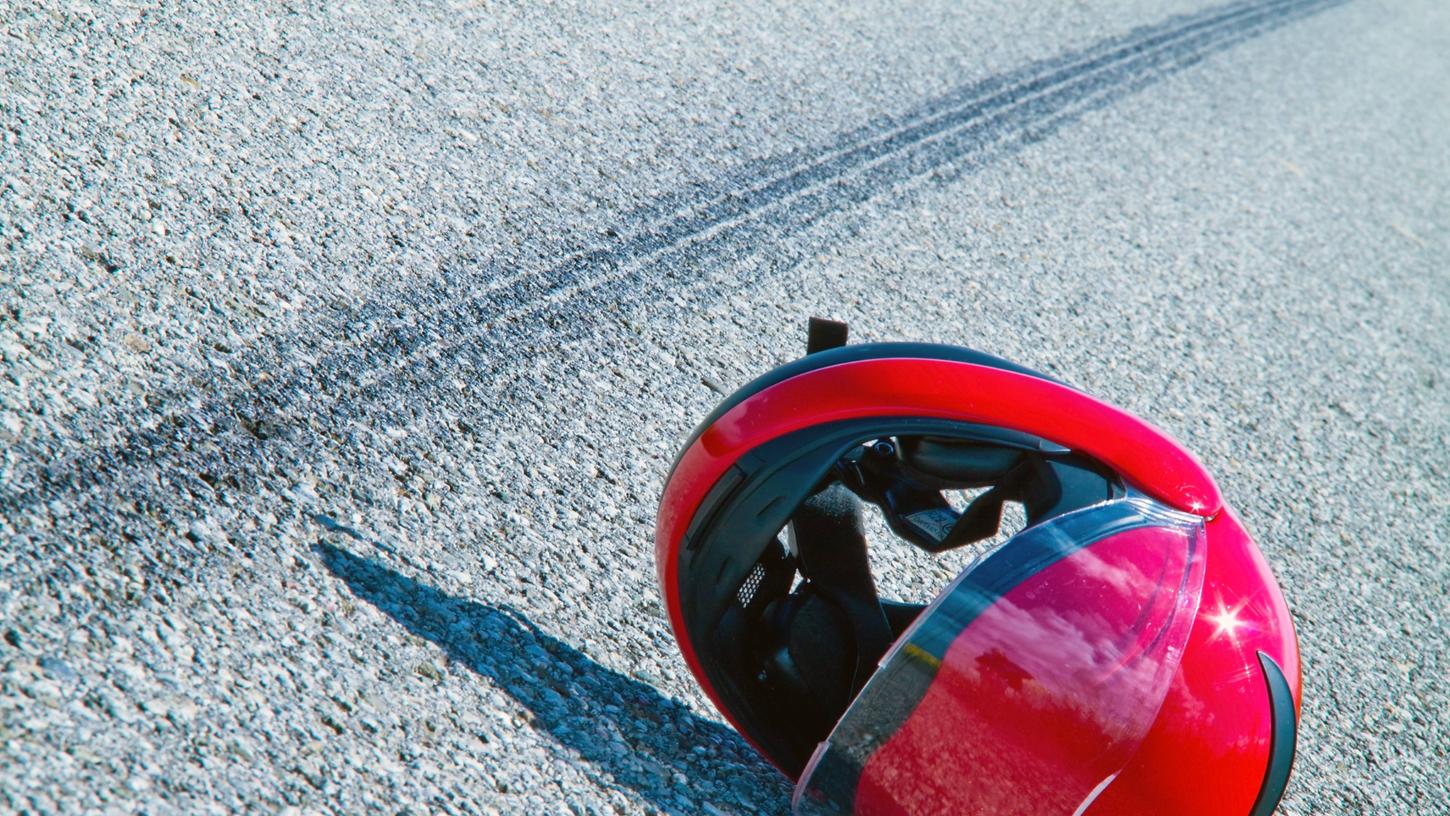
pixel 751 585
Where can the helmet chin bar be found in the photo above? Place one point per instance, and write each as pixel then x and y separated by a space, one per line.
pixel 789 632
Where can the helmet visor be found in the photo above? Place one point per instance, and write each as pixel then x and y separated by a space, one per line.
pixel 1028 684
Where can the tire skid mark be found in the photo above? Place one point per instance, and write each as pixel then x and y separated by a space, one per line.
pixel 476 312
pixel 723 205
pixel 725 221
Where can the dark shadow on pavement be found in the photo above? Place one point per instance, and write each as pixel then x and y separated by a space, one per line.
pixel 638 738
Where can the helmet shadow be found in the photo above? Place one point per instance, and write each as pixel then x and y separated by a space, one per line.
pixel 635 738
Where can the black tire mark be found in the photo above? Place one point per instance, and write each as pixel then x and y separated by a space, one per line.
pixel 730 222
pixel 477 310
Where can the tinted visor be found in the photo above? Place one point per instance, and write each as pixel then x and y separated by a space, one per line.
pixel 1028 684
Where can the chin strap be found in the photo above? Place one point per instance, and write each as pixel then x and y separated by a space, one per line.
pixel 830 544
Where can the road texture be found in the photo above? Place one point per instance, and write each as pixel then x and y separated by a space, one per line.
pixel 344 348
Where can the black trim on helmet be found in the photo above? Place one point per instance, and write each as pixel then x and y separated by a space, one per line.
pixel 1282 737
pixel 852 354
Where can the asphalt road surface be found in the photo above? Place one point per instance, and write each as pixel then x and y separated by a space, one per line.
pixel 344 348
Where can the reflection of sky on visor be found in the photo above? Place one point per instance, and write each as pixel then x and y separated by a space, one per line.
pixel 1070 658
pixel 1081 658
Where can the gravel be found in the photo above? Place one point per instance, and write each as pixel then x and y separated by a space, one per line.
pixel 344 350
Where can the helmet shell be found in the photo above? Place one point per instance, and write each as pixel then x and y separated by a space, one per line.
pixel 1227 694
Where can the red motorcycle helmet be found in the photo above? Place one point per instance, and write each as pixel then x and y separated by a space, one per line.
pixel 1127 652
